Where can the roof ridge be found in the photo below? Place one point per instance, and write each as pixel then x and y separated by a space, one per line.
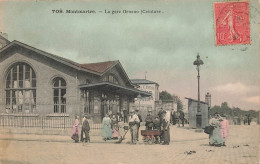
pixel 100 62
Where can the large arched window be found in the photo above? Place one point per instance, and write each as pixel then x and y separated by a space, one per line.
pixel 111 78
pixel 59 95
pixel 20 88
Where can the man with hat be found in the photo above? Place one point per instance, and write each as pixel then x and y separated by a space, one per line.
pixel 133 123
pixel 138 125
pixel 166 128
pixel 149 120
pixel 85 129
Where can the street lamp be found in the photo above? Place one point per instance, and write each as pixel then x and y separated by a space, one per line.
pixel 198 62
pixel 139 97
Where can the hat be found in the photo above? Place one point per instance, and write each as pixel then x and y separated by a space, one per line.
pixel 136 109
pixel 223 115
pixel 131 111
pixel 164 111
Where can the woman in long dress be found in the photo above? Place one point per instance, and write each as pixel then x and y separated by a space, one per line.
pixel 224 129
pixel 215 137
pixel 75 133
pixel 115 128
pixel 106 128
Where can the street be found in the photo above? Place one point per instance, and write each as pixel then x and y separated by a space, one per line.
pixel 187 146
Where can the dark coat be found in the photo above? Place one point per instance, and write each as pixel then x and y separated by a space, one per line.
pixel 85 125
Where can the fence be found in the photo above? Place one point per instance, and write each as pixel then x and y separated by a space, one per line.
pixel 36 121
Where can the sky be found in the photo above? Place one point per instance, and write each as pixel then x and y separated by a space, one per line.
pixel 163 45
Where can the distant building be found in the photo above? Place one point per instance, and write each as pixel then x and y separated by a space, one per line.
pixel 192 110
pixel 146 103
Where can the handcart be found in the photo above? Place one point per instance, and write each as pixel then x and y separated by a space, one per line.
pixel 151 136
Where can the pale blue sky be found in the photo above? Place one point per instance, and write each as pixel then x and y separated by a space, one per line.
pixel 165 45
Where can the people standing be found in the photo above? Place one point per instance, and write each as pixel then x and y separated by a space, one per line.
pixel 161 116
pixel 133 123
pixel 149 120
pixel 125 113
pixel 248 119
pixel 115 128
pixel 215 136
pixel 85 130
pixel 182 118
pixel 166 128
pixel 81 133
pixel 157 126
pixel 139 123
pixel 106 128
pixel 173 115
pixel 224 128
pixel 75 130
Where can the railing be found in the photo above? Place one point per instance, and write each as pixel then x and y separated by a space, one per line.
pixel 44 122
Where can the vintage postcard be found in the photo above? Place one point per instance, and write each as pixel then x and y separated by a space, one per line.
pixel 129 82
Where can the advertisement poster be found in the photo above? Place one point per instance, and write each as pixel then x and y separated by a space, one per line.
pixel 61 60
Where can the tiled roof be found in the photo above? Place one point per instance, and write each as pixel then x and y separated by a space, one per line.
pixel 98 67
pixel 142 81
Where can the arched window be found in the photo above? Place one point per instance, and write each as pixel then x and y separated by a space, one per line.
pixel 59 95
pixel 111 78
pixel 20 88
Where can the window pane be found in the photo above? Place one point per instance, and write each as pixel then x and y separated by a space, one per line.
pixel 63 109
pixel 63 100
pixel 56 100
pixel 20 84
pixel 63 92
pixel 20 68
pixel 8 76
pixel 56 92
pixel 33 74
pixel 27 75
pixel 56 83
pixel 7 101
pixel 20 76
pixel 8 94
pixel 56 108
pixel 14 75
pixel 8 84
pixel 33 82
pixel 63 83
pixel 15 68
pixel 27 68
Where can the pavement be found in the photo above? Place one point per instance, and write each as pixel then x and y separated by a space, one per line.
pixel 186 146
pixel 176 136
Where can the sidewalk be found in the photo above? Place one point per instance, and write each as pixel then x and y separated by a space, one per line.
pixel 178 134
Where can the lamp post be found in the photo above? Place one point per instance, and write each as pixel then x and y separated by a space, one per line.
pixel 198 62
pixel 139 97
pixel 208 99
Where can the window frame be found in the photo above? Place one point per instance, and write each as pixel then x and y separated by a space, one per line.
pixel 15 100
pixel 59 106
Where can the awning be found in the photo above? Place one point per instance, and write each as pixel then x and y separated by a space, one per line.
pixel 114 88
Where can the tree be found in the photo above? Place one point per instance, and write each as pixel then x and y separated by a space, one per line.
pixel 164 95
pixel 179 105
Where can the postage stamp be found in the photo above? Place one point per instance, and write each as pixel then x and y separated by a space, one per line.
pixel 232 24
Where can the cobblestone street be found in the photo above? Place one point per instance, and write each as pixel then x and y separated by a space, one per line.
pixel 187 146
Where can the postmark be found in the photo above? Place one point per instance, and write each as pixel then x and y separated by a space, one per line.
pixel 232 23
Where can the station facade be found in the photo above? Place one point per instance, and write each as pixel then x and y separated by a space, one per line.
pixel 39 83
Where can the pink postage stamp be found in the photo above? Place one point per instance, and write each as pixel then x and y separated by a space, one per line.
pixel 232 23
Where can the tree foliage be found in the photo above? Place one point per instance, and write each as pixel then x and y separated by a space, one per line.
pixel 233 112
pixel 164 95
